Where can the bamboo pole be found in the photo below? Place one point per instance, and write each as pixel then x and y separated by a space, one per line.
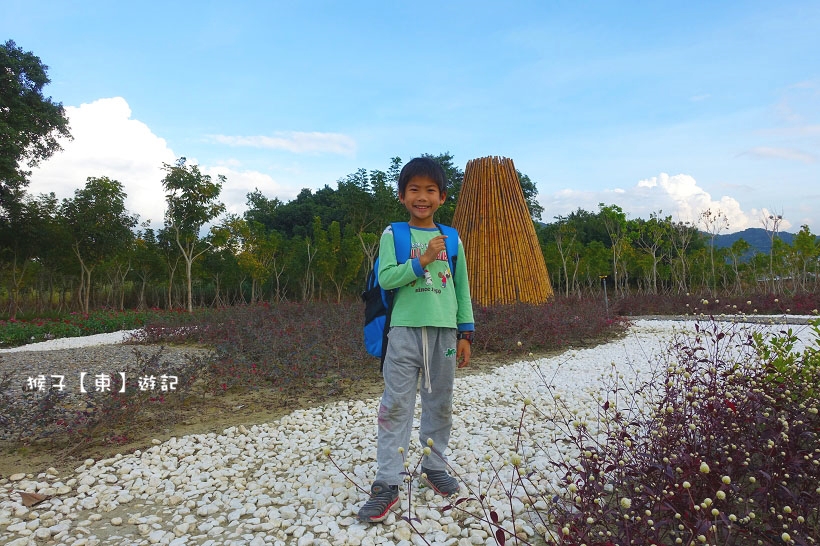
pixel 503 255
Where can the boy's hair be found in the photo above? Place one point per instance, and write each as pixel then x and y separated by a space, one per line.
pixel 425 167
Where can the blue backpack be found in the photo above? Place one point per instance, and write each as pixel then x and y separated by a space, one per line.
pixel 378 302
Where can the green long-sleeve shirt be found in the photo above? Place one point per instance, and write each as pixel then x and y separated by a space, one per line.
pixel 426 297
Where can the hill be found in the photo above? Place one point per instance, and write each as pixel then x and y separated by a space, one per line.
pixel 756 237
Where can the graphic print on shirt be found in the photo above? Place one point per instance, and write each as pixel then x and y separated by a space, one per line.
pixel 444 275
pixel 416 250
pixel 428 278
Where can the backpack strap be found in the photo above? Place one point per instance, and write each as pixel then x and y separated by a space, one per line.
pixel 401 243
pixel 451 245
pixel 401 240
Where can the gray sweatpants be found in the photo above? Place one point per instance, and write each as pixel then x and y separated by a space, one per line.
pixel 403 366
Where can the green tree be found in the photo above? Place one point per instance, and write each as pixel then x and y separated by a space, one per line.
pixel 348 257
pixel 261 210
pixel 148 261
pixel 169 250
pixel 30 124
pixel 567 246
pixel 614 219
pixel 652 236
pixel 192 199
pixel 805 252
pixel 595 264
pixel 771 224
pixel 713 222
pixel 737 252
pixel 219 270
pixel 22 238
pixel 255 249
pixel 681 235
pixel 100 227
pixel 117 269
pixel 530 195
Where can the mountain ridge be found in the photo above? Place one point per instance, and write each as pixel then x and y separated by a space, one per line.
pixel 758 238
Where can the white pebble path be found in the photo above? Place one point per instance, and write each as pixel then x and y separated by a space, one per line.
pixel 271 483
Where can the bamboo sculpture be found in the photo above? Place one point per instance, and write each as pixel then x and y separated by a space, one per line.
pixel 503 255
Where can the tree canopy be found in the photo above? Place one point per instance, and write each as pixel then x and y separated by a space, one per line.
pixel 30 123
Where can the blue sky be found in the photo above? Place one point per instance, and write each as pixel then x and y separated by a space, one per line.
pixel 677 107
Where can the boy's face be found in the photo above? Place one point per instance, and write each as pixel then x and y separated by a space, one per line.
pixel 422 198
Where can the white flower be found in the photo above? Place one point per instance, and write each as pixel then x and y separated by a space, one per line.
pixel 626 503
pixel 704 468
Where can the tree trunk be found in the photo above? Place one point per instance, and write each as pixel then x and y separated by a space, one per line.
pixel 189 284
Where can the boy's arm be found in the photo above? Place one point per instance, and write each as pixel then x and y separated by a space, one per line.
pixel 464 314
pixel 391 273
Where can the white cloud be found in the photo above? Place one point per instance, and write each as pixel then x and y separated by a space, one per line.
pixel 297 142
pixel 107 142
pixel 678 196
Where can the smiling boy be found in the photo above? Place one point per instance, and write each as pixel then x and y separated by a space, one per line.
pixel 431 329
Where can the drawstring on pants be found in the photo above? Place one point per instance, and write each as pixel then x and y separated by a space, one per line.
pixel 426 356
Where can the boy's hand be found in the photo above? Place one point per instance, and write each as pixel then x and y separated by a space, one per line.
pixel 434 247
pixel 463 351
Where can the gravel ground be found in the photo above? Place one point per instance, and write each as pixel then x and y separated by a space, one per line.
pixel 271 484
pixel 30 371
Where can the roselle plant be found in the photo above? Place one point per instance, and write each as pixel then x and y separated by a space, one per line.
pixel 290 346
pixel 720 447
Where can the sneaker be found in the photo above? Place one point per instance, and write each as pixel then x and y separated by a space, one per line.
pixel 382 498
pixel 440 482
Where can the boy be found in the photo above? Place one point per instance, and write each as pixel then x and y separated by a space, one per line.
pixel 431 332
